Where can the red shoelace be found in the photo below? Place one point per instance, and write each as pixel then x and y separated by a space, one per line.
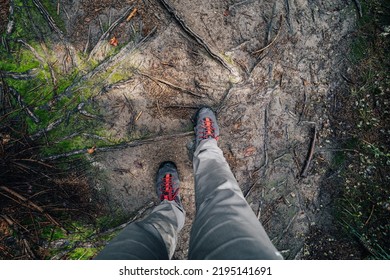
pixel 209 130
pixel 167 188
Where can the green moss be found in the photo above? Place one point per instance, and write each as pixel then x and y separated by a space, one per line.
pixel 83 253
pixel 20 62
pixel 51 8
pixel 52 233
pixel 111 221
pixel 117 77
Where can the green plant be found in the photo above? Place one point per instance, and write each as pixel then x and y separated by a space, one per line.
pixel 363 209
pixel 57 192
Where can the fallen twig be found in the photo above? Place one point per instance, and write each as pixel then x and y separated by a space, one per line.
pixel 131 15
pixel 266 126
pixel 109 63
pixel 310 155
pixel 155 79
pixel 120 146
pixel 19 99
pixel 238 4
pixel 35 53
pixel 40 58
pixel 182 106
pixel 269 31
pixel 139 213
pixel 369 218
pixel 264 165
pixel 359 8
pixel 225 97
pixel 28 250
pixel 287 4
pixel 196 37
pixel 106 34
pixel 138 116
pixel 273 41
pixel 93 236
pixel 265 145
pixel 57 30
pixel 88 38
pixel 288 227
pixel 48 18
pixel 85 113
pixel 50 127
pixel 116 85
pixel 303 106
pixel 19 76
pixel 11 18
pixel 258 214
pixel 26 203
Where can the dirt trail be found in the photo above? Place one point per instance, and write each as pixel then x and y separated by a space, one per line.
pixel 272 71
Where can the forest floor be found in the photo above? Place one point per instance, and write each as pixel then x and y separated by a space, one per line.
pixel 274 71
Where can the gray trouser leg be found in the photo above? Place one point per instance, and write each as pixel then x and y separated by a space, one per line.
pixel 154 237
pixel 225 226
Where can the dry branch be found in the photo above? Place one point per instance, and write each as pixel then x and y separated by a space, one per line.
pixel 88 38
pixel 58 31
pixel 35 53
pixel 19 76
pixel 85 113
pixel 139 213
pixel 181 106
pixel 196 37
pixel 21 103
pixel 265 164
pixel 287 227
pixel 40 58
pixel 273 41
pixel 269 31
pixel 11 18
pixel 120 146
pixel 106 34
pixel 26 203
pixel 359 7
pixel 224 99
pixel 131 15
pixel 50 127
pixel 310 155
pixel 287 4
pixel 165 82
pixel 108 63
pixel 48 18
pixel 232 7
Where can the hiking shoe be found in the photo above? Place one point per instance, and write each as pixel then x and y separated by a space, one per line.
pixel 206 126
pixel 168 182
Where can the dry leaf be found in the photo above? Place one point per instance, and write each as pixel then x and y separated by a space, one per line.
pixel 6 139
pixel 114 41
pixel 92 150
pixel 250 151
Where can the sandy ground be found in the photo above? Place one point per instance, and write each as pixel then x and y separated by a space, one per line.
pixel 270 68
